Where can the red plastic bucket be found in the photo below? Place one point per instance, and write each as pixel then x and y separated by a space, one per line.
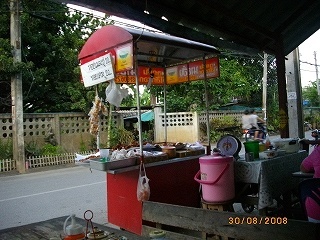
pixel 217 177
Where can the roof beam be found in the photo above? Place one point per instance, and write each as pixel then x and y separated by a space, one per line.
pixel 213 30
pixel 217 7
pixel 127 11
pixel 305 8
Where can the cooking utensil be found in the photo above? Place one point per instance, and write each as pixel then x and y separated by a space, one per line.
pixel 170 150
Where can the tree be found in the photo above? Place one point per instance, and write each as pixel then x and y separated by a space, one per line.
pixel 52 37
pixel 310 93
pixel 240 78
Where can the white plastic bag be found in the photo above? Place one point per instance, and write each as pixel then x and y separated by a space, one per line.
pixel 115 94
pixel 143 188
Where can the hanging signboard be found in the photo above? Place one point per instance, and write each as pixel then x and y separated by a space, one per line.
pixel 178 74
pixel 124 57
pixel 97 71
pixel 129 77
pixel 193 71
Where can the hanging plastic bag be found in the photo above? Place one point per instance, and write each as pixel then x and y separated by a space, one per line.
pixel 115 94
pixel 143 188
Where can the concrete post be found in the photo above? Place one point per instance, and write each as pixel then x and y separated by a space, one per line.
pixel 16 88
pixel 295 112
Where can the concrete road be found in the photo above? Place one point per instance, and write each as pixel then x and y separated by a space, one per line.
pixel 39 196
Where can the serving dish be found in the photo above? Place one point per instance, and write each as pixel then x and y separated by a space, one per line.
pixel 268 154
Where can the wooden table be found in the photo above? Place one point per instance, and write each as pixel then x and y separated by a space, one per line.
pixel 54 228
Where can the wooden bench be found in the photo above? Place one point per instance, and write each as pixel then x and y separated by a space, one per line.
pixel 181 222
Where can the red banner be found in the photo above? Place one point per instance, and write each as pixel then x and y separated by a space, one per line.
pixel 178 74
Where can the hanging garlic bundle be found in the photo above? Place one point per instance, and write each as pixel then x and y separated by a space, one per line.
pixel 94 114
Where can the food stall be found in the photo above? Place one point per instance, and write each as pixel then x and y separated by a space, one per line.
pixel 147 58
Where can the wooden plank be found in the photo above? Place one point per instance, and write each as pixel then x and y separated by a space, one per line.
pixel 234 225
pixel 172 235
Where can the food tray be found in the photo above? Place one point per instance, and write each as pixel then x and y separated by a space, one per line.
pixel 156 158
pixel 111 165
pixel 183 153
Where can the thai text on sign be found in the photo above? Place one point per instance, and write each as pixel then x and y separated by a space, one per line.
pixel 97 71
pixel 177 74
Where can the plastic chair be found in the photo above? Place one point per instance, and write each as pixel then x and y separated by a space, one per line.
pixel 309 188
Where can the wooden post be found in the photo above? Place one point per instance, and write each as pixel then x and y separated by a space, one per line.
pixel 282 90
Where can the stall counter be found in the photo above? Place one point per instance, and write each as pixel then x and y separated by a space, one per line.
pixel 171 181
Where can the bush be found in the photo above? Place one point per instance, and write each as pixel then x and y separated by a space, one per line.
pixel 51 150
pixel 120 136
pixel 6 149
pixel 33 149
pixel 220 128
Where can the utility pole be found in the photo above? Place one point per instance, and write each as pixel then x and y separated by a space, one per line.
pixel 16 88
pixel 294 95
pixel 315 64
pixel 264 86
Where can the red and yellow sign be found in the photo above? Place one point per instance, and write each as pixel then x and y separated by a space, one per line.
pixel 178 74
pixel 124 57
pixel 193 71
pixel 144 74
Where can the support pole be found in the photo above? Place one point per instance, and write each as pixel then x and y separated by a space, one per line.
pixel 264 86
pixel 16 88
pixel 317 78
pixel 207 102
pixel 295 109
pixel 282 90
pixel 165 106
pixel 138 99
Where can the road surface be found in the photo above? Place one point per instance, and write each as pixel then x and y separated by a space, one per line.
pixel 39 196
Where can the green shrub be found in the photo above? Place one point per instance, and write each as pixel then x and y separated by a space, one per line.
pixel 6 149
pixel 119 135
pixel 32 149
pixel 51 150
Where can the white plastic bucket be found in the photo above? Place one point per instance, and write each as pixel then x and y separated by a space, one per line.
pixel 217 178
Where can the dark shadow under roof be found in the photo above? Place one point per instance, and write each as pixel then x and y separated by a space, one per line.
pixel 240 26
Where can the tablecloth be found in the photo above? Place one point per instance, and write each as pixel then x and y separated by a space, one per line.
pixel 273 176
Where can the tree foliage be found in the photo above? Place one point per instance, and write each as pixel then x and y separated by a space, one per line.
pixel 310 93
pixel 240 80
pixel 52 37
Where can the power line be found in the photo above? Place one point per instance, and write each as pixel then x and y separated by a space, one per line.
pixel 310 63
pixel 307 70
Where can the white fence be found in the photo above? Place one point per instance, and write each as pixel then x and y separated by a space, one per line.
pixel 7 165
pixel 73 128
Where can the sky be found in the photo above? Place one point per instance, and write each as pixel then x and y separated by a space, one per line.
pixel 306 52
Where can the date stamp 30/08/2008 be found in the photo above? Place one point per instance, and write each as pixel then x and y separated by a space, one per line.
pixel 258 220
